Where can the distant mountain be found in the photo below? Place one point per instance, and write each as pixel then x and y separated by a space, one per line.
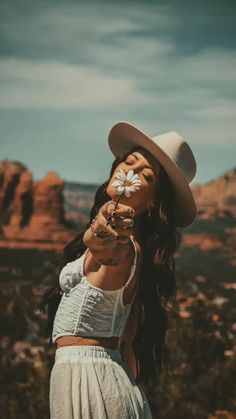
pixel 219 192
pixel 215 199
pixel 216 202
pixel 78 199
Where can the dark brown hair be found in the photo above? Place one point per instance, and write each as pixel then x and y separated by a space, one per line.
pixel 159 241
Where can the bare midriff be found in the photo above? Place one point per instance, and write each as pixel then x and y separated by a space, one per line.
pixel 107 342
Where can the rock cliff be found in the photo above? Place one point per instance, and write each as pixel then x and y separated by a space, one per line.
pixel 31 212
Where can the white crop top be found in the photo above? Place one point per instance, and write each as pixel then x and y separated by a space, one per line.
pixel 86 310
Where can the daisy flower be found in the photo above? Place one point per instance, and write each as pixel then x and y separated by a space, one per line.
pixel 126 183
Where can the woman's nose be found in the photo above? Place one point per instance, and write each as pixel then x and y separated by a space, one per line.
pixel 137 167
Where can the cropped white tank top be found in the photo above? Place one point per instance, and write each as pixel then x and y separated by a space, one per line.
pixel 86 310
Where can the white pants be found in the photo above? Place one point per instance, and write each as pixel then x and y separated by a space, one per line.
pixel 93 382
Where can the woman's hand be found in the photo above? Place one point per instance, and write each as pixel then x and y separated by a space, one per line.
pixel 118 223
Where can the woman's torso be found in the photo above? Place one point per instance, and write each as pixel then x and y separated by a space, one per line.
pixel 90 311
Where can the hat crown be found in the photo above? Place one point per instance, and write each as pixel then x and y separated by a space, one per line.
pixel 179 151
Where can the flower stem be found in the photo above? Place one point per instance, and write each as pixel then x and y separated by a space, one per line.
pixel 118 201
pixel 109 217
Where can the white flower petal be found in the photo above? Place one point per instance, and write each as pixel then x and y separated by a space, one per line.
pixel 131 188
pixel 120 176
pixel 130 174
pixel 136 176
pixel 120 189
pixel 123 173
pixel 136 182
pixel 117 183
pixel 127 193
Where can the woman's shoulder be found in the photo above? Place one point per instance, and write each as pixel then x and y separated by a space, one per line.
pixel 116 262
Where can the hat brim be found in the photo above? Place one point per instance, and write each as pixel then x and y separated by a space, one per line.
pixel 124 136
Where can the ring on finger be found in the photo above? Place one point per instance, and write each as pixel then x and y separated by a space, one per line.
pixel 103 232
pixel 126 227
pixel 130 225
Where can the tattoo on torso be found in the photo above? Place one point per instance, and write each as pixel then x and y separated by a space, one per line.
pixel 110 262
pixel 113 261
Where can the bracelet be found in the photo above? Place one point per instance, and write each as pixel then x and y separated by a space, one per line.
pixel 100 234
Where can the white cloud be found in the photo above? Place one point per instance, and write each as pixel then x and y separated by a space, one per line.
pixel 52 85
pixel 100 58
pixel 210 65
pixel 224 111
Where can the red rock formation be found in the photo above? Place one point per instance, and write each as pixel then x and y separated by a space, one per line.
pixel 21 204
pixel 10 173
pixel 48 212
pixel 31 211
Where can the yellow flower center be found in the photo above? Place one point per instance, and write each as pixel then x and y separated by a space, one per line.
pixel 127 183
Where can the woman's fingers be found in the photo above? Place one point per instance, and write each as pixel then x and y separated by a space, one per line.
pixel 118 223
pixel 125 211
pixel 111 230
pixel 108 208
pixel 121 209
pixel 122 222
pixel 102 224
pixel 125 231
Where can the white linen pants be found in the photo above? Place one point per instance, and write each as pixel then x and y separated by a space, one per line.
pixel 93 382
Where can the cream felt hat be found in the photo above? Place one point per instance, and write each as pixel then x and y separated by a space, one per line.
pixel 173 153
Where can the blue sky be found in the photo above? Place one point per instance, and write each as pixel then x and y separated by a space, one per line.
pixel 69 70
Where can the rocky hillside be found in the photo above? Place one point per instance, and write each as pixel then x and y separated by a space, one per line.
pixel 219 193
pixel 32 212
pixel 46 213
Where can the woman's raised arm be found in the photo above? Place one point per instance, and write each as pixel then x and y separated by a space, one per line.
pixel 113 248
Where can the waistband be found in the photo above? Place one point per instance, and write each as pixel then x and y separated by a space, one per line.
pixel 83 353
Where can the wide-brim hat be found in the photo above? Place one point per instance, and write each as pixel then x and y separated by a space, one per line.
pixel 173 153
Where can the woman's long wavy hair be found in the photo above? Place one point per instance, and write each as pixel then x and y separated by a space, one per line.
pixel 159 240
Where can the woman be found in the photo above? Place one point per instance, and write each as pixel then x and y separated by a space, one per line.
pixel 107 314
